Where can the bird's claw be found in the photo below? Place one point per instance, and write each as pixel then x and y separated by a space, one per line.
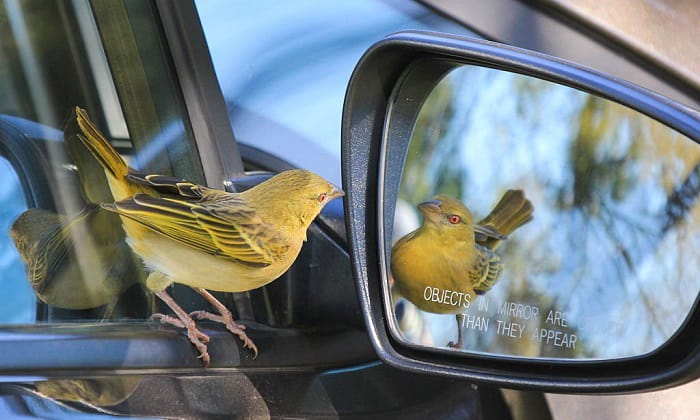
pixel 205 358
pixel 196 337
pixel 227 320
pixel 248 343
pixel 176 322
pixel 193 334
pixel 167 319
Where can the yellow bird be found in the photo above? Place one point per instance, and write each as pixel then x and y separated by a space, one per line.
pixel 449 260
pixel 79 261
pixel 205 238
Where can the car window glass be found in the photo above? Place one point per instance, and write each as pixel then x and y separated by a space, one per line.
pixel 21 308
pixel 283 67
pixel 61 256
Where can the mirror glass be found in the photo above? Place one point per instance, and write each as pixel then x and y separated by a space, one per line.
pixel 536 220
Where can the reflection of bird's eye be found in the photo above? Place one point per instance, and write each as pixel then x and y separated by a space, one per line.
pixel 322 197
pixel 454 219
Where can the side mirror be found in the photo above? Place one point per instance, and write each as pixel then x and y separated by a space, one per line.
pixel 521 220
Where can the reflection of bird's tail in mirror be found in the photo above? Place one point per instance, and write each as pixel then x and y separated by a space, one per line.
pixel 512 211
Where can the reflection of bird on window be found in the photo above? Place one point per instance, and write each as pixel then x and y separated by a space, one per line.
pixel 441 266
pixel 205 238
pixel 73 263
pixel 80 261
pixel 102 391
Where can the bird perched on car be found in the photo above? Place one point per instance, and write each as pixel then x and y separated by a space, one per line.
pixel 441 266
pixel 77 261
pixel 206 238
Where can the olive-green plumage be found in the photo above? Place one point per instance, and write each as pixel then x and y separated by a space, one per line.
pixel 206 238
pixel 451 252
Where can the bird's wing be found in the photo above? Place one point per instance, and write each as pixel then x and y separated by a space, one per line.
pixel 484 232
pixel 404 239
pixel 486 270
pixel 226 227
pixel 170 185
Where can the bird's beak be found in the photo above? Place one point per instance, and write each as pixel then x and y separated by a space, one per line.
pixel 430 209
pixel 335 193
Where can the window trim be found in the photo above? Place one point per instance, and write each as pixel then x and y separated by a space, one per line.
pixel 204 101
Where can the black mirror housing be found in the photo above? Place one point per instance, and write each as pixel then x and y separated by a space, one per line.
pixel 412 63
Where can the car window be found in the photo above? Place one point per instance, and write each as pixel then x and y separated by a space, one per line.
pixel 21 307
pixel 283 67
pixel 109 59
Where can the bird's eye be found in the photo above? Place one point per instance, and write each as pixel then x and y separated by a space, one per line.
pixel 454 219
pixel 322 197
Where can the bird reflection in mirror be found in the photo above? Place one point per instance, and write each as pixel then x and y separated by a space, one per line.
pixel 205 238
pixel 449 260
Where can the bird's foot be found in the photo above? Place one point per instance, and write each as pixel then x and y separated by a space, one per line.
pixel 171 320
pixel 194 335
pixel 198 338
pixel 457 345
pixel 227 319
pixel 167 319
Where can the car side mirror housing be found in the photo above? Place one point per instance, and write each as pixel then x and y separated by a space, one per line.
pixel 520 220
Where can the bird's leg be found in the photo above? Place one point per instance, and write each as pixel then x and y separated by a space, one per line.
pixel 460 325
pixel 109 309
pixel 183 320
pixel 225 318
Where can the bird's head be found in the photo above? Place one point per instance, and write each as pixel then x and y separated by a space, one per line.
pixel 446 212
pixel 299 194
pixel 453 219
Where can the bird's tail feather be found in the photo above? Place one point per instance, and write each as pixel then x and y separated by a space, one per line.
pixel 512 211
pixel 97 144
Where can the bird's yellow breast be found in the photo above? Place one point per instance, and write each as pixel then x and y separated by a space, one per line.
pixel 183 264
pixel 433 275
